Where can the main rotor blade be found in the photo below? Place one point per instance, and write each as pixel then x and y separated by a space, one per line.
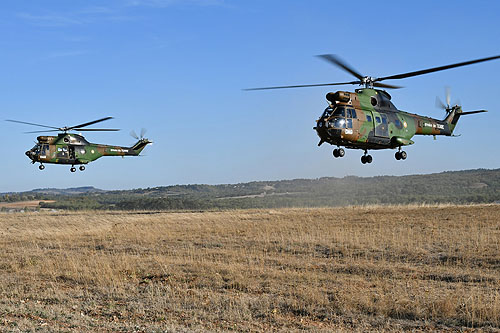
pixel 95 129
pixel 339 63
pixel 143 132
pixel 45 131
pixel 306 85
pixel 24 122
pixel 89 123
pixel 434 69
pixel 134 135
pixel 383 85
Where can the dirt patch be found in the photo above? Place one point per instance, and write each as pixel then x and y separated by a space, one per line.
pixel 23 204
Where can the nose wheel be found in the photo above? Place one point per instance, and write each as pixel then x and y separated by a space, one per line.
pixel 41 167
pixel 400 154
pixel 366 158
pixel 73 169
pixel 82 168
pixel 338 152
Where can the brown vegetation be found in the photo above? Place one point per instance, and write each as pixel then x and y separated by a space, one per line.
pixel 354 268
pixel 24 204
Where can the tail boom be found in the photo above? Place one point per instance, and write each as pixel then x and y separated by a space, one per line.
pixel 135 150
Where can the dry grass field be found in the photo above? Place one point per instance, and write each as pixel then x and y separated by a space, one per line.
pixel 420 268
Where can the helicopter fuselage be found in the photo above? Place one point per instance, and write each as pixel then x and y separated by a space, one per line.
pixel 74 149
pixel 367 119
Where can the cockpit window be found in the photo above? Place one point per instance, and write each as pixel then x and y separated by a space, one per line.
pixel 328 112
pixel 339 123
pixel 339 112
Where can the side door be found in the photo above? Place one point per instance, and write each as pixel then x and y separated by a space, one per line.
pixel 62 152
pixel 44 151
pixel 352 123
pixel 381 126
pixel 71 152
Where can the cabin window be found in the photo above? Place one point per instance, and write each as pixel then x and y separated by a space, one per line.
pixel 374 101
pixel 349 123
pixel 369 118
pixel 384 121
pixel 398 124
pixel 377 119
pixel 348 113
pixel 353 113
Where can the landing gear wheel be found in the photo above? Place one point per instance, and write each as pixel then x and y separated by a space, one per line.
pixel 340 152
pixel 366 158
pixel 398 155
pixel 73 169
pixel 41 167
pixel 82 168
pixel 403 155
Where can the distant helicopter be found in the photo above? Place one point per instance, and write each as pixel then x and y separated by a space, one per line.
pixel 74 149
pixel 366 119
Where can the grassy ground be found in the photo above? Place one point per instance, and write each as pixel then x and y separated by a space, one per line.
pixel 357 268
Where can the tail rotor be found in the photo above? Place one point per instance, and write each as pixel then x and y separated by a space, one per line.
pixel 141 140
pixel 447 107
pixel 138 137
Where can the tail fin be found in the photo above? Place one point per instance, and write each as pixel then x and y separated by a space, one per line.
pixel 139 146
pixel 455 113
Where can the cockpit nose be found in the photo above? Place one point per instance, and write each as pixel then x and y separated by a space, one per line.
pixel 31 154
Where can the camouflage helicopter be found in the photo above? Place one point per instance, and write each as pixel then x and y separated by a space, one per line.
pixel 74 149
pixel 366 119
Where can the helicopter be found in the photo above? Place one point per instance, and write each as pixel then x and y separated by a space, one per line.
pixel 74 149
pixel 368 120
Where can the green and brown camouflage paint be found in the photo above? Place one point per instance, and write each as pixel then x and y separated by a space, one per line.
pixel 74 149
pixel 371 121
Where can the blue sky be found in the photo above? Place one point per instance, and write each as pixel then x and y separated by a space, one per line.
pixel 177 68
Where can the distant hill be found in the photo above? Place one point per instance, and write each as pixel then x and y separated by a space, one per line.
pixel 67 191
pixel 469 186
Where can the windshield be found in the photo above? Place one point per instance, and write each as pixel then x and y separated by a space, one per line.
pixel 340 111
pixel 327 113
pixel 338 122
